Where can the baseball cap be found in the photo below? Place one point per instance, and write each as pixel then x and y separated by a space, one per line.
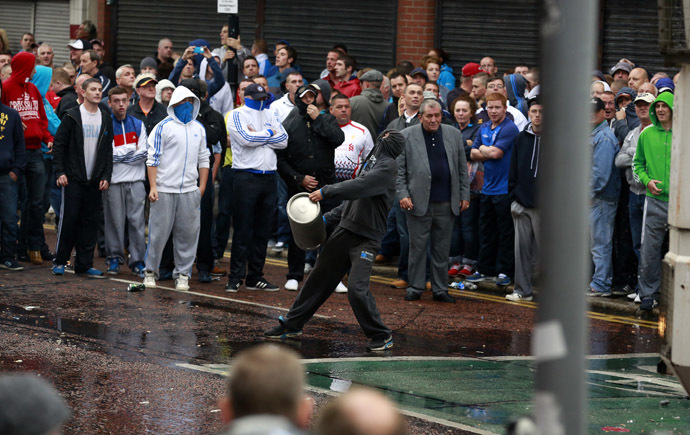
pixel 145 79
pixel 470 69
pixel 255 92
pixel 665 84
pixel 646 97
pixel 80 44
pixel 597 104
pixel 372 76
pixel 418 71
pixel 625 66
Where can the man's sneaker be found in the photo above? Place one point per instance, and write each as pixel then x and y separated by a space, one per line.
pixel 454 269
pixel 11 264
pixel 595 293
pixel 340 288
pixel 138 269
pixel 517 297
pixel 278 247
pixel 281 331
pixel 467 270
pixel 264 285
pixel 637 300
pixel 204 277
pixel 400 283
pixel 380 344
pixel 648 304
pixel 59 269
pixel 94 273
pixel 308 268
pixel 622 291
pixel 291 285
pixel 479 277
pixel 218 271
pixel 182 283
pixel 233 286
pixel 113 266
pixel 149 279
pixel 632 296
pixel 502 280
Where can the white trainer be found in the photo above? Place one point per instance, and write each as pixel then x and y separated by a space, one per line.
pixel 517 297
pixel 149 279
pixel 182 283
pixel 341 288
pixel 308 268
pixel 291 285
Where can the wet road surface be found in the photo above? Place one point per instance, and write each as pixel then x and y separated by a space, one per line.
pixel 126 361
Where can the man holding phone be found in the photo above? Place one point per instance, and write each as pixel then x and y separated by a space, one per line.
pixel 231 51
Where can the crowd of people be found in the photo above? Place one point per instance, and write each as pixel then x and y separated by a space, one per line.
pixel 453 196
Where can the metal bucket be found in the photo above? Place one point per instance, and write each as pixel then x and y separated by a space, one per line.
pixel 306 222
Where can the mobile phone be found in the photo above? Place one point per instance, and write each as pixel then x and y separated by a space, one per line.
pixel 234 26
pixel 199 50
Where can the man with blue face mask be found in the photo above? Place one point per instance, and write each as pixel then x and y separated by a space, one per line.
pixel 177 166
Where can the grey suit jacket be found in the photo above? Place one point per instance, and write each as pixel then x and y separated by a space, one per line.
pixel 414 174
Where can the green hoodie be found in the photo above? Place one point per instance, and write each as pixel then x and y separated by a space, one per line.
pixel 653 155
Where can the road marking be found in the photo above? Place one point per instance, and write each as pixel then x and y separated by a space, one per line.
pixel 206 295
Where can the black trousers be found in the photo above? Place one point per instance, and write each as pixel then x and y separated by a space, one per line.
pixel 253 211
pixel 496 236
pixel 204 250
pixel 624 258
pixel 342 251
pixel 78 228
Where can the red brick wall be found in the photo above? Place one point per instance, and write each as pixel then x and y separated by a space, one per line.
pixel 415 29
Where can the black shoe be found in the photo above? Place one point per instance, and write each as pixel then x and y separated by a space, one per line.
pixel 444 297
pixel 204 277
pixel 622 290
pixel 46 255
pixel 233 286
pixel 264 285
pixel 282 332
pixel 23 256
pixel 648 304
pixel 380 344
pixel 165 275
pixel 412 296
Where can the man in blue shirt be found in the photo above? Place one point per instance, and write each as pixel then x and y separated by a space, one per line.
pixel 494 147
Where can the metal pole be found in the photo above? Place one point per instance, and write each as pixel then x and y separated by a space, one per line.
pixel 569 30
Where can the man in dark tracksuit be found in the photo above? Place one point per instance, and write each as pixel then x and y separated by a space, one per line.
pixel 361 223
pixel 83 162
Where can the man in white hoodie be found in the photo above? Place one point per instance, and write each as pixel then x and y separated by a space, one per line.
pixel 176 148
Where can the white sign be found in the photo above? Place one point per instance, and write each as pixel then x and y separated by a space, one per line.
pixel 227 6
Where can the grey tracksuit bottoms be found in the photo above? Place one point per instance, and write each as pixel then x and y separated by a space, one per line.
pixel 124 203
pixel 654 229
pixel 179 213
pixel 526 223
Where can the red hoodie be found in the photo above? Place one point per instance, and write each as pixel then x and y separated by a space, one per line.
pixel 23 96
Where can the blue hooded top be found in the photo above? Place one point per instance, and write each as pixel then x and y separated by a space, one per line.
pixel 515 86
pixel 41 79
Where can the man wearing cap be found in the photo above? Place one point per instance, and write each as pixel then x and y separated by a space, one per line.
pixel 432 188
pixel 147 109
pixel 465 87
pixel 419 76
pixel 76 49
pixel 164 90
pixel 605 186
pixel 368 107
pixel 148 65
pixel 621 70
pixel 307 164
pixel 346 82
pixel 624 158
pixel 255 133
pixel 652 167
pixel 89 65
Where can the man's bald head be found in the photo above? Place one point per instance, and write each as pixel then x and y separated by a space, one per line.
pixel 361 412
pixel 636 77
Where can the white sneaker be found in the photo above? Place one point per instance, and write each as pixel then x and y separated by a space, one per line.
pixel 517 297
pixel 308 268
pixel 341 288
pixel 182 283
pixel 637 299
pixel 633 296
pixel 149 279
pixel 291 285
pixel 278 247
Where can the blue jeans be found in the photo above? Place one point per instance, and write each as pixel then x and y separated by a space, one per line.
pixel 636 208
pixel 601 223
pixel 32 210
pixel 8 217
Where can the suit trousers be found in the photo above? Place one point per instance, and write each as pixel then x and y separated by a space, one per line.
pixel 436 226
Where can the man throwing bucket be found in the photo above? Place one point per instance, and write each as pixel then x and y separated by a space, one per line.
pixel 360 225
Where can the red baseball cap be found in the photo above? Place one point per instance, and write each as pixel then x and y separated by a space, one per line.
pixel 470 69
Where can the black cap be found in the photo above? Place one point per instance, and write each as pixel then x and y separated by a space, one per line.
pixel 597 104
pixel 255 92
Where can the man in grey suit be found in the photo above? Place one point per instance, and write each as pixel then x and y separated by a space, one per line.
pixel 432 187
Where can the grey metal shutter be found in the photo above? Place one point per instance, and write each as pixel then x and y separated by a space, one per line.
pixel 51 25
pixel 16 17
pixel 631 30
pixel 508 31
pixel 141 24
pixel 368 29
